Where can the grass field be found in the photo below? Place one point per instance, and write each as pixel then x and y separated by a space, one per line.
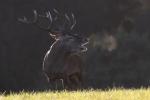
pixel 112 94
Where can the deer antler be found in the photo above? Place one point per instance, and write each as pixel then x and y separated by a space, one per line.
pixel 35 20
pixel 74 21
pixel 71 22
pixel 68 22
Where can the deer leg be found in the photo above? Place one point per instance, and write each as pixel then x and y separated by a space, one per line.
pixel 47 78
pixel 59 84
pixel 56 85
pixel 62 82
pixel 76 80
pixel 67 83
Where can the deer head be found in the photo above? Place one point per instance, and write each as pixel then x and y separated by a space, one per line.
pixel 60 26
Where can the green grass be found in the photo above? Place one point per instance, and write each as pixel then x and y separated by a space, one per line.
pixel 112 94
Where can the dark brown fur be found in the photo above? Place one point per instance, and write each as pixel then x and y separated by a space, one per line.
pixel 62 63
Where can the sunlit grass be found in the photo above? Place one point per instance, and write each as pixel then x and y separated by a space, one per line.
pixel 112 94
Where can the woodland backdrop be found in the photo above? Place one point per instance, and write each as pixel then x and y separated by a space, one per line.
pixel 118 53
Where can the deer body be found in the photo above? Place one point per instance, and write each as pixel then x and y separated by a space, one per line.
pixel 61 63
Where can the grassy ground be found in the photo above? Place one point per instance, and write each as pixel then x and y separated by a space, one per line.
pixel 112 94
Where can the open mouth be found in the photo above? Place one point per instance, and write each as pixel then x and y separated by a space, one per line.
pixel 84 48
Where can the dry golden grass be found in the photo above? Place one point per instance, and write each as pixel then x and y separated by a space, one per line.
pixel 112 94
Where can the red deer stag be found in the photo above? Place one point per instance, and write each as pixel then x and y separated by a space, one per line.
pixel 63 60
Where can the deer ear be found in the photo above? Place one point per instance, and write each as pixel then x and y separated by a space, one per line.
pixel 56 11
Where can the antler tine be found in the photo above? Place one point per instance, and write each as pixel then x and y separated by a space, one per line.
pixel 49 16
pixel 68 19
pixel 56 11
pixel 35 16
pixel 74 21
pixel 25 20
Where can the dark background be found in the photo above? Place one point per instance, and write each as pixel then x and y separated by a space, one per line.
pixel 22 46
